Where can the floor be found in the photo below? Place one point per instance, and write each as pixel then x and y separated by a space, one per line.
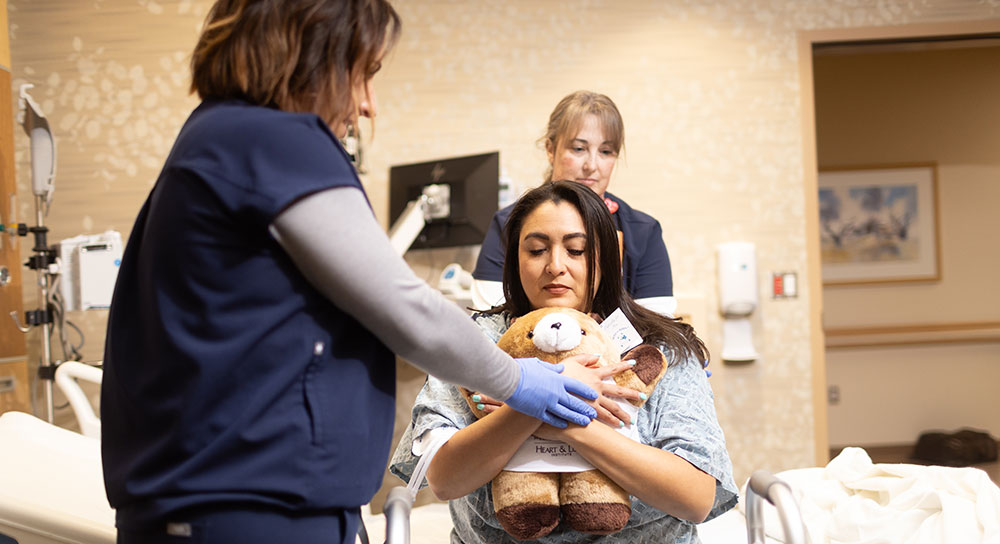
pixel 430 523
pixel 901 454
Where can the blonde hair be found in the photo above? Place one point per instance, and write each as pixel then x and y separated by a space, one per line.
pixel 566 118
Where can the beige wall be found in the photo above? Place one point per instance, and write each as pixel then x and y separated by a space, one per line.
pixel 709 92
pixel 903 107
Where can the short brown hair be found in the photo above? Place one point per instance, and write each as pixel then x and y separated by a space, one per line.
pixel 293 55
pixel 566 118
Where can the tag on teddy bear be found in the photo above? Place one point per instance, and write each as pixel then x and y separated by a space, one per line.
pixel 620 331
pixel 540 455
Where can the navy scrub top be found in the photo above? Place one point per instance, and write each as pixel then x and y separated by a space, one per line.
pixel 645 266
pixel 228 379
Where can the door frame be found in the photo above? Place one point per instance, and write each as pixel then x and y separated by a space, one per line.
pixel 806 40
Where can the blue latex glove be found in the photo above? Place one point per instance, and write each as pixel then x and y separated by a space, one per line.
pixel 545 394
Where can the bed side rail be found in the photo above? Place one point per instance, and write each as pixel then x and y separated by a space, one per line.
pixel 766 486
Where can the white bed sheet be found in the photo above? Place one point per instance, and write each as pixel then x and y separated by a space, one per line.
pixel 51 484
pixel 853 500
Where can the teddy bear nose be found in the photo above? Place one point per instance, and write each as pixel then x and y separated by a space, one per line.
pixel 549 337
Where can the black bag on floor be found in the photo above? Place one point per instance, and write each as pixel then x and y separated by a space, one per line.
pixel 959 449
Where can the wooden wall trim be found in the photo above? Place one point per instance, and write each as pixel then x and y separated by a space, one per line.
pixel 4 37
pixel 903 335
pixel 813 277
pixel 12 341
pixel 889 32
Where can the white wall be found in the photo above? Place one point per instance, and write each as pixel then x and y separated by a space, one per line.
pixel 890 395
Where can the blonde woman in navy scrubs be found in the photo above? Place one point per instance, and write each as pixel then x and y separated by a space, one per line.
pixel 583 138
pixel 249 379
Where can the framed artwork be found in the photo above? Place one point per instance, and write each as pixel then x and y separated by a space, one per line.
pixel 878 224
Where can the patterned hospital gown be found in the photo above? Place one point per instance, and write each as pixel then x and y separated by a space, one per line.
pixel 679 417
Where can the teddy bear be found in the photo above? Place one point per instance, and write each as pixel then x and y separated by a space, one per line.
pixel 529 505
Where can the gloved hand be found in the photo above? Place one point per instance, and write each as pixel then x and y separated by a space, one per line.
pixel 545 394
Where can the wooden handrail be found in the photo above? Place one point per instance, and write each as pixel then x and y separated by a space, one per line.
pixel 920 334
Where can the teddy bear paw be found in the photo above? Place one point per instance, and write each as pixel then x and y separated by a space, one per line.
pixel 596 518
pixel 529 521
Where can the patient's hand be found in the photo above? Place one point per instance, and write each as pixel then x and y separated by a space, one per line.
pixel 608 410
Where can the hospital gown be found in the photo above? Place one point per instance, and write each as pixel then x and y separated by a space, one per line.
pixel 679 417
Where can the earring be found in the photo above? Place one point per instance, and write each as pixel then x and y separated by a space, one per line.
pixel 352 144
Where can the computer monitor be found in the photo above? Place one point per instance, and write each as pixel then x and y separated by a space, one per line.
pixel 474 183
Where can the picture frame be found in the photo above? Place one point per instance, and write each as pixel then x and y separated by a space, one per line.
pixel 879 224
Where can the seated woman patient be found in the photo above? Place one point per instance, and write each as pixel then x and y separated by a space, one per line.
pixel 563 251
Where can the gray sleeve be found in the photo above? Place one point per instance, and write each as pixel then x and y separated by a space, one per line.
pixel 335 241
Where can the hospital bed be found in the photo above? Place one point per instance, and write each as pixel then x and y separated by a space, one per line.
pixel 761 488
pixel 852 499
pixel 51 483
pixel 769 500
pixel 52 491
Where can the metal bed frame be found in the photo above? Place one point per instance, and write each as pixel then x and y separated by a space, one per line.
pixel 763 486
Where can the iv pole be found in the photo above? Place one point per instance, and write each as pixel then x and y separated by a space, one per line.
pixel 43 169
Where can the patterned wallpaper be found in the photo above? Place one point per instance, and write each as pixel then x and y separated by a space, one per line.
pixel 112 78
pixel 709 91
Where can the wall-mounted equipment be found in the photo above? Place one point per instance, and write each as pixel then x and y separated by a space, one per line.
pixel 737 299
pixel 443 203
pixel 88 268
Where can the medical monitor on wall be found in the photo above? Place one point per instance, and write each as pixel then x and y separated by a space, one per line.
pixel 474 186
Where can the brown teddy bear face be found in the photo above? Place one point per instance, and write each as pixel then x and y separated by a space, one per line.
pixel 553 334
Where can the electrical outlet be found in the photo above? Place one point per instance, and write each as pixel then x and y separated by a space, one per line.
pixel 833 395
pixel 7 384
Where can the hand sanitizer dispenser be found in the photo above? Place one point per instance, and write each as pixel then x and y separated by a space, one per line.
pixel 737 299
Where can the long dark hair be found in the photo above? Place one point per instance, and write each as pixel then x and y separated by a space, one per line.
pixel 293 55
pixel 601 253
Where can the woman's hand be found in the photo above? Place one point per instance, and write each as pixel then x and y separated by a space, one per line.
pixel 608 410
pixel 485 403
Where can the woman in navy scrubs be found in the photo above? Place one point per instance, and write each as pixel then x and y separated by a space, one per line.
pixel 249 382
pixel 583 138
